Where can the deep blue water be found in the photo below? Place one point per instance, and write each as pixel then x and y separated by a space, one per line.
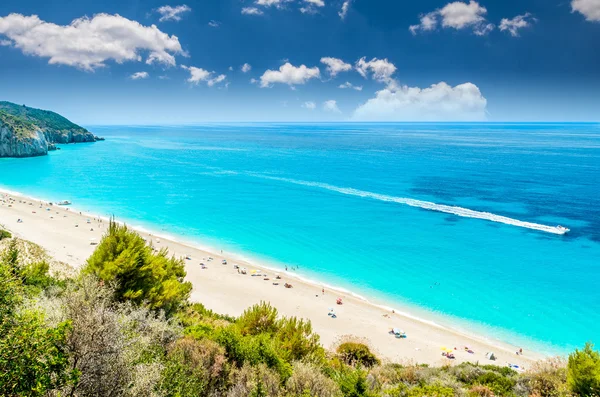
pixel 329 198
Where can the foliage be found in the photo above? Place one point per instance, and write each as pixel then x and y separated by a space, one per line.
pixel 547 378
pixel 583 371
pixel 4 234
pixel 141 275
pixel 195 368
pixel 41 118
pixel 125 327
pixel 308 380
pixel 20 126
pixel 33 357
pixel 355 353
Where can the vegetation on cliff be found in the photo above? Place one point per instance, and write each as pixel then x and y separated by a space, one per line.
pixel 124 327
pixel 44 119
pixel 21 127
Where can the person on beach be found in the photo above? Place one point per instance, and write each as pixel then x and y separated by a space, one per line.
pixel 323 291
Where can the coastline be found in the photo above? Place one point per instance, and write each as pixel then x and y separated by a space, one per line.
pixel 225 291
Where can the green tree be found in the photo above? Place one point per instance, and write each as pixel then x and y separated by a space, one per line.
pixel 33 356
pixel 583 371
pixel 142 276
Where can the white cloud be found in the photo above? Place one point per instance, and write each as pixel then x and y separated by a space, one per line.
pixel 590 9
pixel 514 25
pixel 139 75
pixel 270 3
pixel 382 69
pixel 169 13
pixel 331 106
pixel 220 78
pixel 289 74
pixel 198 75
pixel 310 105
pixel 347 84
pixel 440 102
pixel 214 24
pixel 251 11
pixel 335 66
pixel 457 15
pixel 88 43
pixel 246 68
pixel 345 8
pixel 312 6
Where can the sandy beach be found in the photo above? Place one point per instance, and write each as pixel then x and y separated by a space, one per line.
pixel 69 236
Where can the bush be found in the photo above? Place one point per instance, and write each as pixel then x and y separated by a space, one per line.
pixel 141 275
pixel 308 380
pixel 258 319
pixel 583 371
pixel 355 353
pixel 297 341
pixel 546 378
pixel 352 382
pixel 257 381
pixel 499 384
pixel 430 391
pixel 4 234
pixel 194 368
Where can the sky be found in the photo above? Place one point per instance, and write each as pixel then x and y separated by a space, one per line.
pixel 194 61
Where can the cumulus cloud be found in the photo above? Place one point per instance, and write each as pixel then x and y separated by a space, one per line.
pixel 139 75
pixel 271 3
pixel 331 106
pixel 590 9
pixel 515 24
pixel 169 13
pixel 440 102
pixel 214 24
pixel 335 66
pixel 199 75
pixel 252 11
pixel 345 8
pixel 289 74
pixel 381 69
pixel 310 105
pixel 457 15
pixel 88 43
pixel 349 85
pixel 246 68
pixel 311 7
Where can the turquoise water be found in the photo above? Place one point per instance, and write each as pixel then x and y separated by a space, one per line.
pixel 332 200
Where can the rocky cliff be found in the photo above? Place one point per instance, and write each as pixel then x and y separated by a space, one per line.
pixel 26 132
pixel 13 145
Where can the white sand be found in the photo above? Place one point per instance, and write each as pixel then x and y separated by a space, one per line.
pixel 222 289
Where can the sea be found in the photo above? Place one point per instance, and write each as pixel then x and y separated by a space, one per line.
pixel 455 224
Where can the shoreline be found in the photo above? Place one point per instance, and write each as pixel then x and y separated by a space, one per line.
pixel 309 288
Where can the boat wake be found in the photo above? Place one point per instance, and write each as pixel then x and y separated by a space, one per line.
pixel 428 205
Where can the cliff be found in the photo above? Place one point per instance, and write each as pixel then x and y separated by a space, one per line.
pixel 27 132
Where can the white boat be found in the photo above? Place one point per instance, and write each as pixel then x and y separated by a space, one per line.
pixel 64 202
pixel 563 229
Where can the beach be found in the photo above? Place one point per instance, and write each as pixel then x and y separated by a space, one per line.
pixel 70 236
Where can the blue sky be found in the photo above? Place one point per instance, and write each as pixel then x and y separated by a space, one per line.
pixel 528 60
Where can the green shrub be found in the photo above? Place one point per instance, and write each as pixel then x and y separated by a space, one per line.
pixel 4 234
pixel 308 380
pixel 499 384
pixel 430 391
pixel 141 275
pixel 546 378
pixel 258 319
pixel 194 368
pixel 297 341
pixel 354 353
pixel 583 371
pixel 352 382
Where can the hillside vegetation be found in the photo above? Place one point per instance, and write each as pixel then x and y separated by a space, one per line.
pixel 125 326
pixel 44 119
pixel 21 127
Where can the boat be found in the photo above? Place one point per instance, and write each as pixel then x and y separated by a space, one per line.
pixel 562 229
pixel 64 202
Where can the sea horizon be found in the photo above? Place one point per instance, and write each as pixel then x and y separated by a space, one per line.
pixel 220 147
